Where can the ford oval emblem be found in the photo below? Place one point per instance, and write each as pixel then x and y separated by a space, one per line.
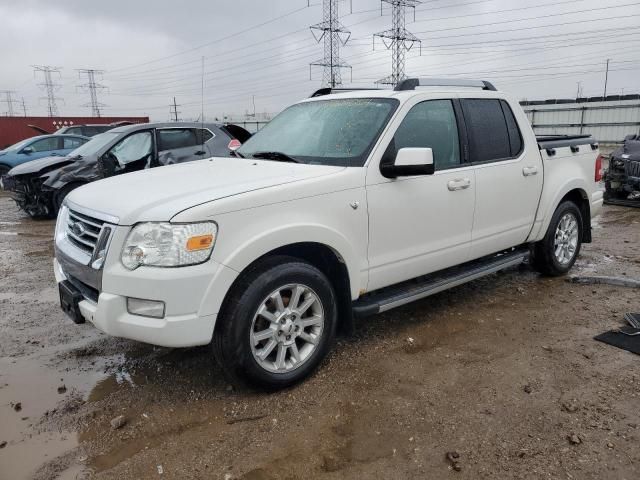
pixel 78 229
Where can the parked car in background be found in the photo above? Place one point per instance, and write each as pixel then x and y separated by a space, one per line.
pixel 344 205
pixel 38 147
pixel 622 178
pixel 40 187
pixel 90 130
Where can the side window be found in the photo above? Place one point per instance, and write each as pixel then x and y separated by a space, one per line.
pixel 431 124
pixel 487 127
pixel 46 144
pixel 515 137
pixel 72 142
pixel 173 138
pixel 203 136
pixel 134 147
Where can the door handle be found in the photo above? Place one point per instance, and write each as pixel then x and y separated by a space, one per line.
pixel 200 152
pixel 529 171
pixel 458 184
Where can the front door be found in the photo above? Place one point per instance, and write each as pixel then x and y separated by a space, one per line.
pixel 421 224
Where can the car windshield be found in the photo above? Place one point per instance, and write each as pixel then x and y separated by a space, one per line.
pixel 325 132
pixel 19 145
pixel 95 144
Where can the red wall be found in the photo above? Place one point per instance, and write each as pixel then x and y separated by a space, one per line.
pixel 14 129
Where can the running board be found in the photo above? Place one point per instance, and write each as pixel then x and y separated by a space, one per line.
pixel 416 289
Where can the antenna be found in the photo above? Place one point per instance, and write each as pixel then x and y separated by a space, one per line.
pixel 49 86
pixel 92 87
pixel 334 34
pixel 8 99
pixel 398 39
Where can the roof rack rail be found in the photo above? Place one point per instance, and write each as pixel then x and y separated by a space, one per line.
pixel 329 90
pixel 412 83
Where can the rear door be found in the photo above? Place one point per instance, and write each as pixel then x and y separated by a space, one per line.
pixel 508 173
pixel 177 145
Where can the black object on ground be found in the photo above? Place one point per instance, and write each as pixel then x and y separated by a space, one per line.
pixel 618 339
pixel 633 319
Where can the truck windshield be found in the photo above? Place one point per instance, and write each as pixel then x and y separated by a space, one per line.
pixel 95 144
pixel 338 132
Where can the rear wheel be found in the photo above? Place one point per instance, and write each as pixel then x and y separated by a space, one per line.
pixel 277 325
pixel 556 253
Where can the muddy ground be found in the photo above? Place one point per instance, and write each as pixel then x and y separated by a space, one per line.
pixel 503 371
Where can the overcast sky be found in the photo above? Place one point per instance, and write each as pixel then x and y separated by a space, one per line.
pixel 152 51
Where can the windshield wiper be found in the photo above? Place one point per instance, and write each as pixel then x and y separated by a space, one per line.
pixel 278 156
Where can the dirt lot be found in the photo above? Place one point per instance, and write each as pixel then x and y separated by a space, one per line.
pixel 502 371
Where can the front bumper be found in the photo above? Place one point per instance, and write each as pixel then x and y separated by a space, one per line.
pixel 109 314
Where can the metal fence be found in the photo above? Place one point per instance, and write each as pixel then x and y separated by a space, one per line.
pixel 608 119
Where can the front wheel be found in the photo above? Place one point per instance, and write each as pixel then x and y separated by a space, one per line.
pixel 277 325
pixel 556 253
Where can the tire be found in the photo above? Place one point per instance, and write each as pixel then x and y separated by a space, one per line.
pixel 60 195
pixel 4 170
pixel 252 307
pixel 555 258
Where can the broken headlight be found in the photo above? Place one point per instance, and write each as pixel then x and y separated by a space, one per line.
pixel 169 244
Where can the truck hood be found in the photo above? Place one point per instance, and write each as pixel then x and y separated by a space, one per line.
pixel 35 166
pixel 158 194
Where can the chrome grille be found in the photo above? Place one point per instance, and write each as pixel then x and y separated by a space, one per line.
pixel 83 231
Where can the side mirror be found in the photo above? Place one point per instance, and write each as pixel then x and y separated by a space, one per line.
pixel 27 150
pixel 410 162
pixel 107 165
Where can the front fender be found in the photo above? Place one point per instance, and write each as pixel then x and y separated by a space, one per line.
pixel 245 253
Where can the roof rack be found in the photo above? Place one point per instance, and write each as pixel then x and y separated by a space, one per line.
pixel 329 90
pixel 412 83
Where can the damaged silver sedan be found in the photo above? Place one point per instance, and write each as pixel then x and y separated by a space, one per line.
pixel 40 186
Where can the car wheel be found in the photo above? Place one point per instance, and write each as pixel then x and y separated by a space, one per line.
pixel 556 253
pixel 4 170
pixel 277 325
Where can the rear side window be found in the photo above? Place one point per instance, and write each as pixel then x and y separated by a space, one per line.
pixel 515 137
pixel 203 136
pixel 173 138
pixel 431 124
pixel 72 142
pixel 487 127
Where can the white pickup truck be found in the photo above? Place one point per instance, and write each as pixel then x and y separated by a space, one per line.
pixel 345 204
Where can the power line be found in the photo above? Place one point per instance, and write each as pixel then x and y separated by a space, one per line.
pixel 49 86
pixel 92 87
pixel 398 39
pixel 334 34
pixel 8 99
pixel 247 30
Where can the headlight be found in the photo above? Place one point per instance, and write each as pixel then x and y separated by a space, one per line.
pixel 61 222
pixel 169 244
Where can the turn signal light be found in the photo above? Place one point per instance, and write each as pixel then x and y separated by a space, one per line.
pixel 598 176
pixel 199 242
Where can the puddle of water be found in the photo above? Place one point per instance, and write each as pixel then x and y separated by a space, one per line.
pixel 35 386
